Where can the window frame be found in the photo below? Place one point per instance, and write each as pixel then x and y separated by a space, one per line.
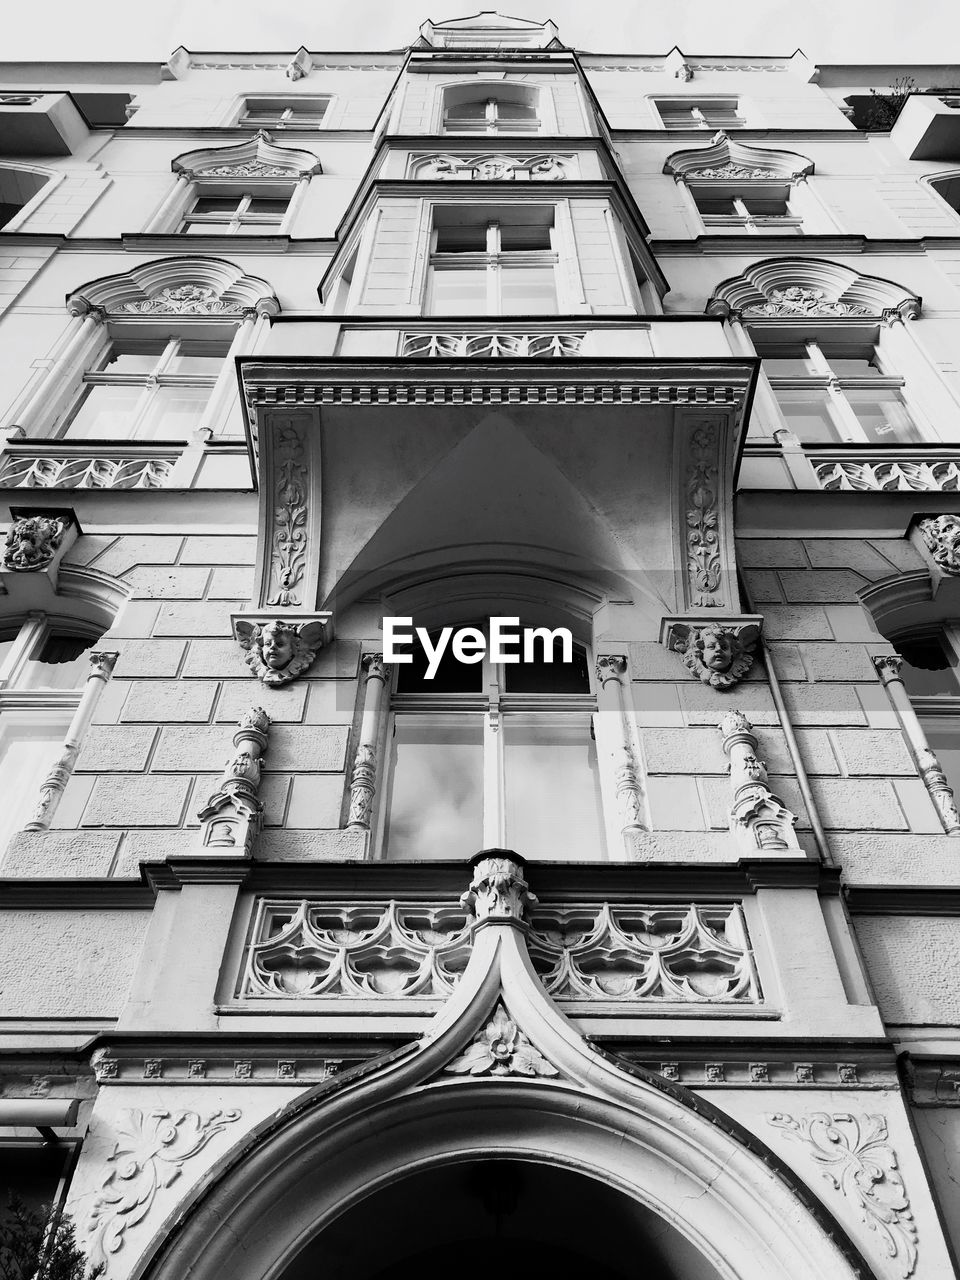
pixel 743 217
pixel 492 706
pixel 241 217
pixel 284 117
pixel 535 95
pixel 698 118
pixel 491 262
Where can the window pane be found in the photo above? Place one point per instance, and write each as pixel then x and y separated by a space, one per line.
pixel 434 801
pixel 27 753
pixel 458 292
pixel 197 366
pixel 528 289
pixel 717 205
pixel 5 647
pixel 451 676
pixel 515 111
pixel 787 367
pixel 847 368
pixel 883 415
pixel 133 361
pixel 216 204
pixel 549 677
pixel 928 668
pixel 106 413
pixel 524 236
pixel 468 110
pixel 769 207
pixel 276 207
pixel 808 415
pixel 61 663
pixel 173 413
pixel 552 788
pixel 462 238
pixel 944 738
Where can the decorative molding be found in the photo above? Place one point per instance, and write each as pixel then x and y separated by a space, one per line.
pixel 702 484
pixel 32 470
pixel 491 346
pixel 258 157
pixel 759 818
pixel 810 288
pixel 182 286
pixel 501 1049
pixel 498 890
pixel 183 300
pixel 148 1157
pixel 937 475
pixel 232 817
pixel 495 167
pixel 288 555
pixel 278 649
pixel 717 653
pixel 296 391
pixel 727 158
pixel 941 536
pixel 857 1160
pixel 32 542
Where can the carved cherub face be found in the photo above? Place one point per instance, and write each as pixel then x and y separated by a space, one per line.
pixel 277 644
pixel 716 649
pixel 719 655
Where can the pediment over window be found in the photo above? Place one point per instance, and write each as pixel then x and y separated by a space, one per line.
pixel 258 157
pixel 728 160
pixel 185 286
pixel 810 288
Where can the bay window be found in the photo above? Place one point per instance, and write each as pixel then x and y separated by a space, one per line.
pixel 493 261
pixel 493 754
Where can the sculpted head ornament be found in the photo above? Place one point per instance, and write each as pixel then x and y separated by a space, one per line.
pixel 941 535
pixel 719 655
pixel 278 651
pixel 32 542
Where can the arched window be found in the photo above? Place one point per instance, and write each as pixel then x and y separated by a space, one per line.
pixel 948 189
pixel 493 753
pixel 495 107
pixel 18 188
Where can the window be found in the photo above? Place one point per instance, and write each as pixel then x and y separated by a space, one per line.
pixel 754 206
pixel 493 261
pixel 146 391
pixel 239 212
pixel 705 113
pixel 834 392
pixel 493 755
pixel 43 668
pixel 496 109
pixel 931 676
pixel 284 113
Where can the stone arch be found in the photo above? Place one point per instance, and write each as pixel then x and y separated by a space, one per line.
pixel 801 288
pixel 182 286
pixel 721 1189
pixel 729 159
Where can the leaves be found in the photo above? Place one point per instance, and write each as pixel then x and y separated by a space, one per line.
pixel 29 1250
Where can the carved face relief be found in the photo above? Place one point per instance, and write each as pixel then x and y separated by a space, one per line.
pixel 716 649
pixel 719 655
pixel 941 535
pixel 277 652
pixel 32 542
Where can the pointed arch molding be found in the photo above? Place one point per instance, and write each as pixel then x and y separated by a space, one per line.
pixel 258 157
pixel 729 159
pixel 186 286
pixel 533 1090
pixel 800 288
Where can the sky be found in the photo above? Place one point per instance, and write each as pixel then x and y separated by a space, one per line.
pixel 863 31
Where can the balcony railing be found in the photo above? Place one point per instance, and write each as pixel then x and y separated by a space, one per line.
pixel 37 465
pixel 485 346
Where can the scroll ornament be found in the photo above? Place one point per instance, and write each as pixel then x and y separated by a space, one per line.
pixel 277 652
pixel 32 542
pixel 716 654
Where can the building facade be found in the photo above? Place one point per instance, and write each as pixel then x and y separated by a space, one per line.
pixel 625 936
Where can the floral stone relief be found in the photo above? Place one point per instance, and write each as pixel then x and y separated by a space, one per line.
pixel 501 1049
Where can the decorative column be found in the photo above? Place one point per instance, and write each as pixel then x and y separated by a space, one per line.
pixel 363 780
pixel 934 779
pixel 70 354
pixel 611 670
pixel 759 819
pixel 52 787
pixel 232 817
pixel 173 205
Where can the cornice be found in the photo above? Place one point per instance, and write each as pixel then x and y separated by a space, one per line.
pixel 74 895
pixel 795 246
pixel 782 136
pixel 903 900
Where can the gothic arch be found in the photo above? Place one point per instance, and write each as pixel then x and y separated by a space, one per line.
pixel 185 286
pixel 420 1107
pixel 258 157
pixel 797 288
pixel 729 159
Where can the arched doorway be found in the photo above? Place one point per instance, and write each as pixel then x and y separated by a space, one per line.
pixel 511 1218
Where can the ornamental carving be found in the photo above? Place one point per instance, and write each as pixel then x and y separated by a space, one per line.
pixel 184 300
pixel 856 1159
pixel 279 651
pixel 486 346
pixel 232 817
pixel 798 300
pixel 32 542
pixel 249 169
pixel 289 543
pixel 729 172
pixel 30 471
pixel 493 168
pixel 703 538
pixel 758 817
pixel 148 1157
pixel 717 654
pixel 498 890
pixel 941 475
pixel 941 536
pixel 501 1049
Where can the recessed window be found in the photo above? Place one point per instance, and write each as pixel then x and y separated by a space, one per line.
pixel 146 391
pixel 832 392
pixel 284 112
pixel 241 213
pixel 756 207
pixel 705 113
pixel 493 753
pixel 931 676
pixel 929 667
pixel 500 109
pixel 493 261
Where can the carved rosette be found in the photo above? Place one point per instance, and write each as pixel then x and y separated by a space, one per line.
pixel 941 536
pixel 856 1159
pixel 232 817
pixel 498 890
pixel 757 815
pixel 149 1156
pixel 32 542
pixel 718 653
pixel 289 542
pixel 501 1049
